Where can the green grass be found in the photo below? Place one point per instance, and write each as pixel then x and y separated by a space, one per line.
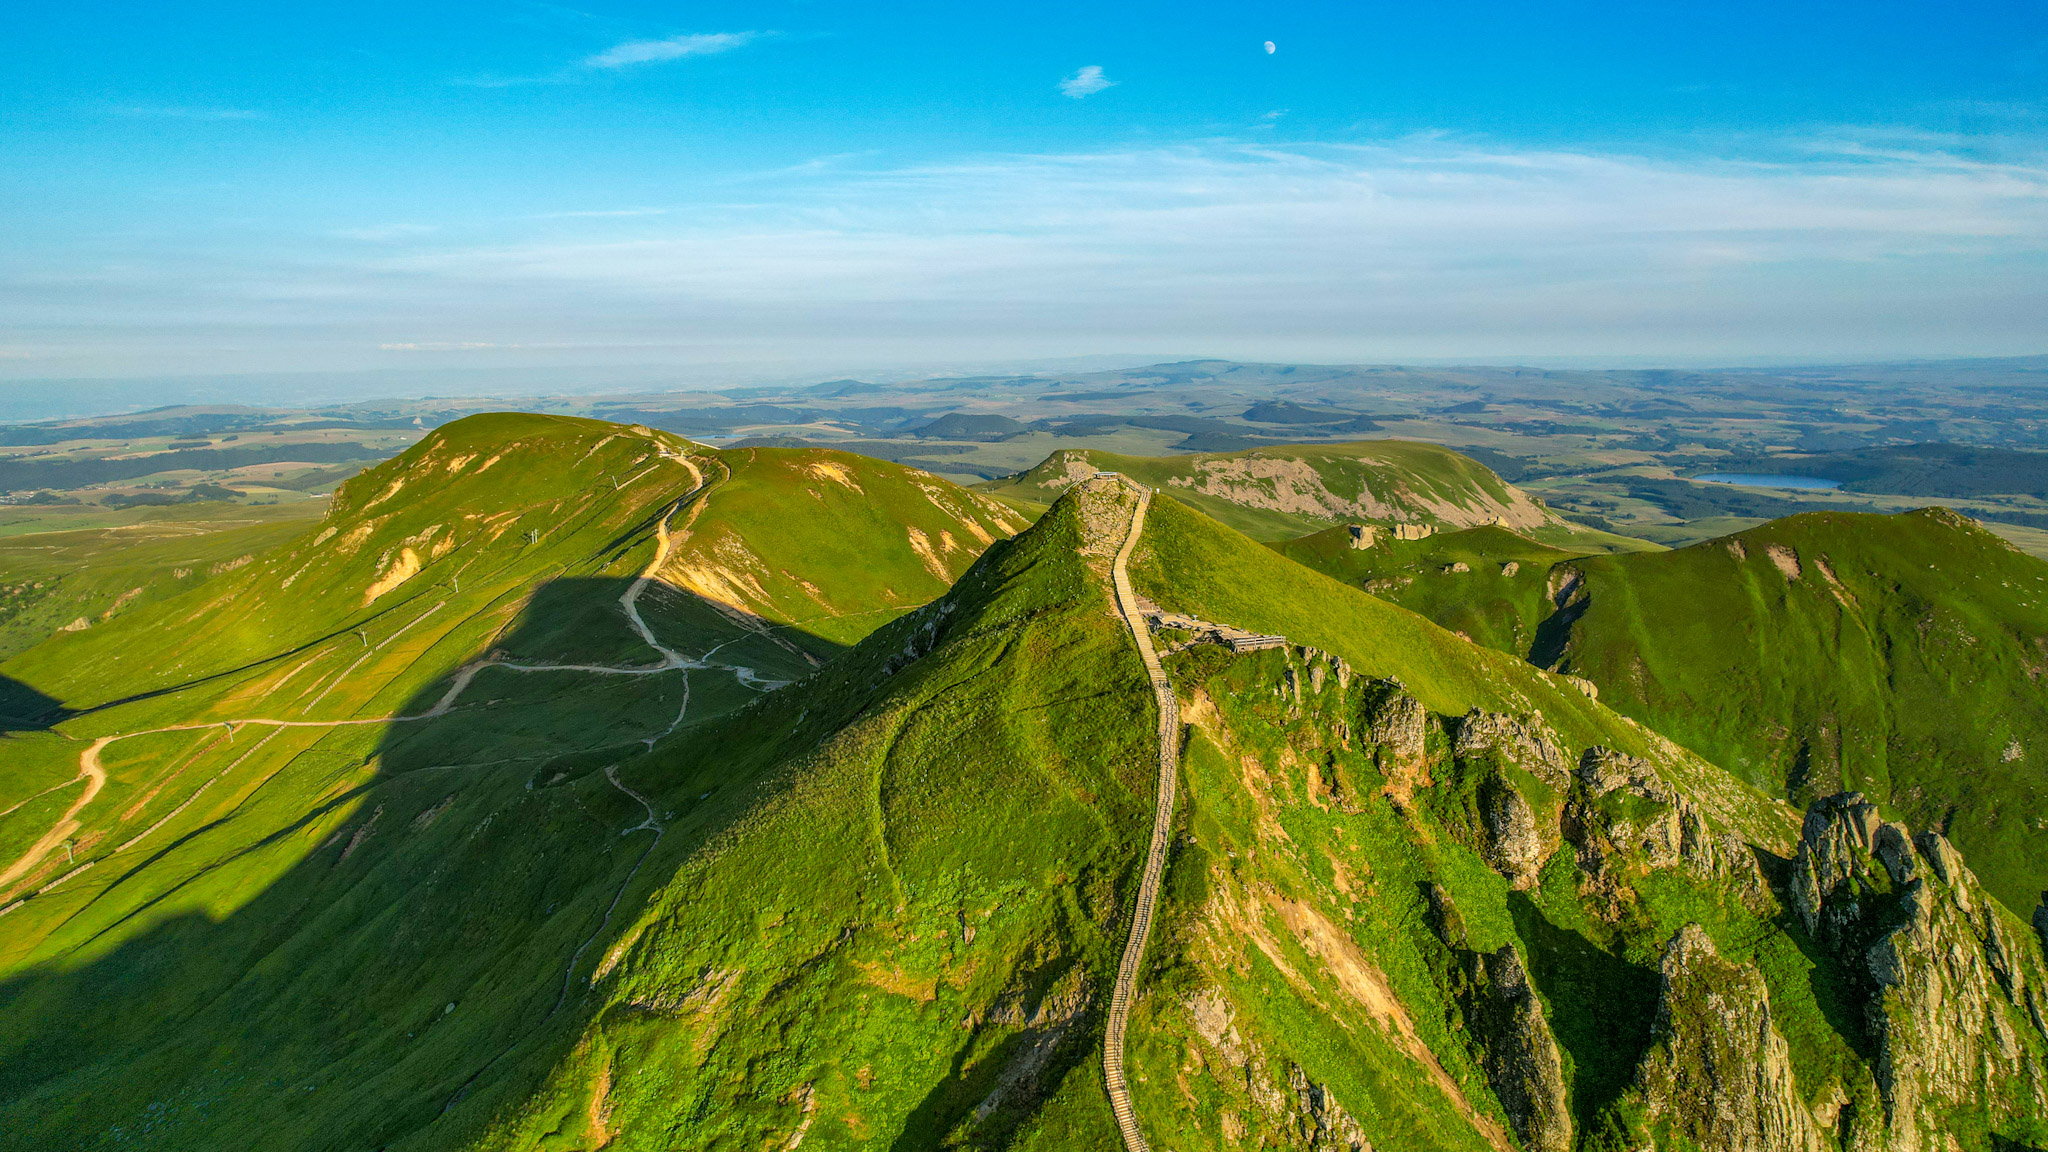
pixel 882 905
pixel 1281 492
pixel 240 960
pixel 1911 675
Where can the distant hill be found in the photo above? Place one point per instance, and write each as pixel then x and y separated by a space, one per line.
pixel 965 426
pixel 1281 491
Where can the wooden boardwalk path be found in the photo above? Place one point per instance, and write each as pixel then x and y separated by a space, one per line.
pixel 1162 830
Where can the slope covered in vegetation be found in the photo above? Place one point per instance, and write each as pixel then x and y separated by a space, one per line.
pixel 1900 656
pixel 1280 492
pixel 644 841
pixel 339 818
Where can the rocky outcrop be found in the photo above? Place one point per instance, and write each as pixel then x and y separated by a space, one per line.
pixel 1502 1014
pixel 1954 992
pixel 1515 844
pixel 1304 1112
pixel 1718 1072
pixel 1399 724
pixel 1522 1062
pixel 1045 1030
pixel 1526 743
pixel 1516 837
pixel 1320 1123
pixel 1624 809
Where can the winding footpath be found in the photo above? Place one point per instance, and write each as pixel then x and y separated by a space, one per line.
pixel 1162 832
pixel 95 776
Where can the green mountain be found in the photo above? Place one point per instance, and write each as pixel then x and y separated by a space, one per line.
pixel 1281 492
pixel 669 819
pixel 1899 656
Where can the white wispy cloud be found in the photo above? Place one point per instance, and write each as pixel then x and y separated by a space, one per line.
pixel 179 112
pixel 672 48
pixel 1086 81
pixel 1826 245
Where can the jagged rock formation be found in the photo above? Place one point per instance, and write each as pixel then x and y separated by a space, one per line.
pixel 1719 1074
pixel 1955 999
pixel 1399 725
pixel 1522 1061
pixel 1505 1020
pixel 1515 845
pixel 1663 826
pixel 1516 834
pixel 1321 1123
pixel 1522 741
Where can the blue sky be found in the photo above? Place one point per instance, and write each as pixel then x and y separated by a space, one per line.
pixel 817 187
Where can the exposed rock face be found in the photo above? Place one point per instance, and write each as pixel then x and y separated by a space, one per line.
pixel 1321 1123
pixel 1718 1072
pixel 1626 809
pixel 1047 1027
pixel 1525 743
pixel 1517 1048
pixel 1400 726
pixel 1515 846
pixel 1306 1112
pixel 1516 837
pixel 1955 992
pixel 1522 1061
pixel 2041 919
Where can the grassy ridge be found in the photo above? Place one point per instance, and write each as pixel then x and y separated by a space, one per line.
pixel 229 951
pixel 1482 600
pixel 1281 492
pixel 917 860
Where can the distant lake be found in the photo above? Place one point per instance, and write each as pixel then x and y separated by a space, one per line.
pixel 1761 480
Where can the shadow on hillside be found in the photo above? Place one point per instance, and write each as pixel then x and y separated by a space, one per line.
pixel 23 709
pixel 1601 1006
pixel 407 973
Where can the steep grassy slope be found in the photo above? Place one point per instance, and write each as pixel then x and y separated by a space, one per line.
pixel 1896 655
pixel 624 893
pixel 302 817
pixel 1278 493
pixel 907 939
pixel 1487 584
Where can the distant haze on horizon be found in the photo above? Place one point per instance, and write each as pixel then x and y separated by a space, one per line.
pixel 764 192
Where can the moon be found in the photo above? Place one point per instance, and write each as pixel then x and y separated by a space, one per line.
pixel 1270 49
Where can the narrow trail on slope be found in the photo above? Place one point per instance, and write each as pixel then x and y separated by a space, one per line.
pixel 1155 865
pixel 1162 832
pixel 95 776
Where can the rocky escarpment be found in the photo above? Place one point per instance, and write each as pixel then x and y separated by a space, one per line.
pixel 1624 820
pixel 1505 1019
pixel 1719 1073
pixel 1303 1114
pixel 1954 989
